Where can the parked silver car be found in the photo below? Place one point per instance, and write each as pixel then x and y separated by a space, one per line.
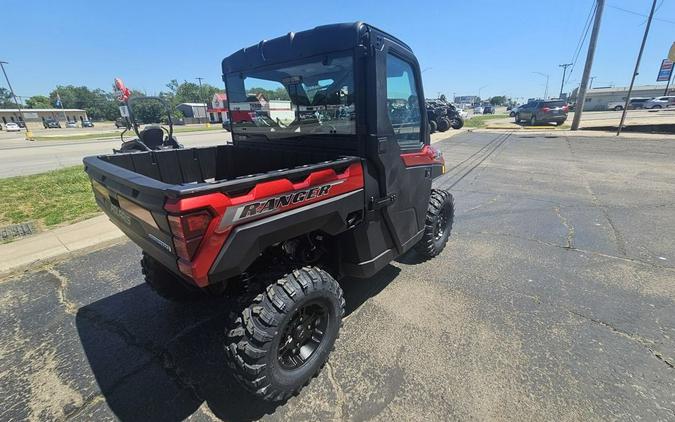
pixel 660 102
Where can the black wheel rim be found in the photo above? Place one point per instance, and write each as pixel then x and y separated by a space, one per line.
pixel 303 335
pixel 443 222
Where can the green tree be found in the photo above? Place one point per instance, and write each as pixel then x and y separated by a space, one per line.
pixel 99 104
pixel 38 101
pixel 498 100
pixel 188 92
pixel 270 94
pixel 6 99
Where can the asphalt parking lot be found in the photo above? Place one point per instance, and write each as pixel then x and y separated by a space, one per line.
pixel 554 300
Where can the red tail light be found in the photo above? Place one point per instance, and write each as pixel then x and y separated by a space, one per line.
pixel 545 109
pixel 188 231
pixel 566 108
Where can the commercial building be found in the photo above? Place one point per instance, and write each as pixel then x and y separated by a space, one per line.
pixel 218 110
pixel 35 116
pixel 193 112
pixel 599 98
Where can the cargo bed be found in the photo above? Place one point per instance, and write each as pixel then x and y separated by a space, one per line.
pixel 150 177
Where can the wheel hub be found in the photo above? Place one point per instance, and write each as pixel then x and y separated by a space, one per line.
pixel 302 335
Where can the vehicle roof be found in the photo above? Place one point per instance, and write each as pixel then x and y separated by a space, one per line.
pixel 297 45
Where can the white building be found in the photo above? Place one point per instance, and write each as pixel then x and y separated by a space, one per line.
pixel 35 116
pixel 598 98
pixel 282 110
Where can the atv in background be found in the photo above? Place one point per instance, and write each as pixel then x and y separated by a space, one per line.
pixel 334 181
pixel 443 116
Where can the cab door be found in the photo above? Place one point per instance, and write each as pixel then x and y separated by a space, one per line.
pixel 401 131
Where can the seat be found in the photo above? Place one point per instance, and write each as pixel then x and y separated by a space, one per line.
pixel 152 136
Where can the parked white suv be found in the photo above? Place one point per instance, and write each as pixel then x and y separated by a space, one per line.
pixel 660 102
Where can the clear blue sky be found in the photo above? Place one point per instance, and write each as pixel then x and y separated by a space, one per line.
pixel 463 45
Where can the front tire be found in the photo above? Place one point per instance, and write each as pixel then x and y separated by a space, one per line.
pixel 443 124
pixel 433 127
pixel 533 121
pixel 457 123
pixel 283 337
pixel 438 224
pixel 618 108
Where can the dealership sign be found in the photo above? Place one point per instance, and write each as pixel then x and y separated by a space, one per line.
pixel 665 71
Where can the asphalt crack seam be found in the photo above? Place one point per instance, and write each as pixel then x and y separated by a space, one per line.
pixel 61 292
pixel 574 249
pixel 647 344
pixel 569 240
pixel 618 237
pixel 340 408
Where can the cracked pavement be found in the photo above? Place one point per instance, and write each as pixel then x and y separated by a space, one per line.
pixel 553 301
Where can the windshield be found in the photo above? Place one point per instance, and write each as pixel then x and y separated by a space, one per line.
pixel 315 97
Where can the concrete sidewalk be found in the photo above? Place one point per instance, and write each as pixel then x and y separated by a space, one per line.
pixel 57 242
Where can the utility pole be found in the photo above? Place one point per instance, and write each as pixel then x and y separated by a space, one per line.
pixel 581 95
pixel 200 96
pixel 562 84
pixel 11 90
pixel 637 68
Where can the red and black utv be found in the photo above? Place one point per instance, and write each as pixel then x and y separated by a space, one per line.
pixel 329 175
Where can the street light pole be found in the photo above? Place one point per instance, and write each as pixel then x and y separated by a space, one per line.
pixel 16 101
pixel 200 96
pixel 562 84
pixel 547 77
pixel 637 67
pixel 479 90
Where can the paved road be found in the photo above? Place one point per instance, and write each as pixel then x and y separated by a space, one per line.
pixel 23 157
pixel 554 300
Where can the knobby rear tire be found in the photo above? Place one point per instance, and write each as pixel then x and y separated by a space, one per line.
pixel 254 343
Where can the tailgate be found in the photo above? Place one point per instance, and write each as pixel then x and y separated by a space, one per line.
pixel 135 203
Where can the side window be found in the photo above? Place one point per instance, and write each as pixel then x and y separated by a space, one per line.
pixel 403 103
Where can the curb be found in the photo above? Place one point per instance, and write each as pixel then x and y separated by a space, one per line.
pixel 57 243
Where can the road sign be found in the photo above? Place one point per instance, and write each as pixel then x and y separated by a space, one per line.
pixel 124 111
pixel 665 71
pixel 671 54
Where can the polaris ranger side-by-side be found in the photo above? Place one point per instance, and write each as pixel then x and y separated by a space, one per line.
pixel 329 175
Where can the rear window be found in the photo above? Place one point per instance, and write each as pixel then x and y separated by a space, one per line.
pixel 553 103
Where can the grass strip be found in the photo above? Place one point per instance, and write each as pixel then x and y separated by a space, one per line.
pixel 51 198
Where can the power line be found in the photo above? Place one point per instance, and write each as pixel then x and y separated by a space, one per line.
pixel 640 14
pixel 582 37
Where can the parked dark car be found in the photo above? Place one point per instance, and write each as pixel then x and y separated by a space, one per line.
pixel 51 124
pixel 489 109
pixel 87 123
pixel 543 111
